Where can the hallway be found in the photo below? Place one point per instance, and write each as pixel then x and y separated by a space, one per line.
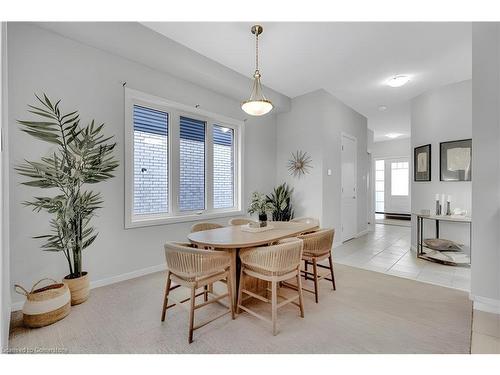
pixel 387 250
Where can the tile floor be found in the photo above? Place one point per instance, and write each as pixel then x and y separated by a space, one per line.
pixel 485 333
pixel 387 250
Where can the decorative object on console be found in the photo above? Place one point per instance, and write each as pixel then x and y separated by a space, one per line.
pixel 280 200
pixel 422 163
pixel 438 205
pixel 441 244
pixel 455 160
pixel 260 206
pixel 299 164
pixel 82 156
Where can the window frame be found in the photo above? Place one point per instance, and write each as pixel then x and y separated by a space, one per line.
pixel 175 111
pixel 408 179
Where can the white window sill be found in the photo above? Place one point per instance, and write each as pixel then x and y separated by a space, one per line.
pixel 191 217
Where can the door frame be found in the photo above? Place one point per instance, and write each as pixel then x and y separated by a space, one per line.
pixel 342 136
pixel 409 177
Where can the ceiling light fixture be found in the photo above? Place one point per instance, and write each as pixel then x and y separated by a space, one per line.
pixel 382 108
pixel 257 105
pixel 393 135
pixel 398 81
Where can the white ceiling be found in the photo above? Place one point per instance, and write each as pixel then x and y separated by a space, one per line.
pixel 352 61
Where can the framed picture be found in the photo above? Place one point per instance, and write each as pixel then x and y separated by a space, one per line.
pixel 422 163
pixel 455 160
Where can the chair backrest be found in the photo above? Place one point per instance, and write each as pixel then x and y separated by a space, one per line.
pixel 318 243
pixel 187 262
pixel 198 227
pixel 283 257
pixel 240 221
pixel 306 220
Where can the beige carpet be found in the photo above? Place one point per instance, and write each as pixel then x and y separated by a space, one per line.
pixel 369 313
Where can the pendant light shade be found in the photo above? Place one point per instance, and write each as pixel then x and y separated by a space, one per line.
pixel 257 105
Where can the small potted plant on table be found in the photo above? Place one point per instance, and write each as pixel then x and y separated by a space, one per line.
pixel 82 156
pixel 260 206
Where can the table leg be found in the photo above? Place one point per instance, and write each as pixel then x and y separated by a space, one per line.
pixel 437 228
pixel 418 235
pixel 235 273
pixel 421 235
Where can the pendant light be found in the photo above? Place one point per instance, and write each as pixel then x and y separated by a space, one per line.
pixel 257 105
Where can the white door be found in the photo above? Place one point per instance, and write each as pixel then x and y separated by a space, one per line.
pixel 349 192
pixel 397 186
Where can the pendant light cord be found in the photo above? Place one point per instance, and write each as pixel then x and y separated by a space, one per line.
pixel 256 51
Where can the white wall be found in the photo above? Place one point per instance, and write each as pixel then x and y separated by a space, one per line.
pixel 392 149
pixel 314 124
pixel 340 118
pixel 90 80
pixel 4 194
pixel 301 129
pixel 485 273
pixel 441 115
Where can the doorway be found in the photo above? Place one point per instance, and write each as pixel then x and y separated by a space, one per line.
pixel 392 190
pixel 349 207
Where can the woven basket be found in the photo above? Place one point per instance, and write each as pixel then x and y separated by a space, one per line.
pixel 45 305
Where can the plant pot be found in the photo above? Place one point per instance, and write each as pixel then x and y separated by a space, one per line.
pixel 78 287
pixel 263 220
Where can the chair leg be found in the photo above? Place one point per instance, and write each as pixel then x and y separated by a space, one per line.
pixel 229 281
pixel 306 267
pixel 330 260
pixel 165 299
pixel 205 293
pixel 315 270
pixel 240 288
pixel 191 314
pixel 274 304
pixel 301 297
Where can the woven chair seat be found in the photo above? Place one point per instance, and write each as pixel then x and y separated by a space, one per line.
pixel 263 271
pixel 311 256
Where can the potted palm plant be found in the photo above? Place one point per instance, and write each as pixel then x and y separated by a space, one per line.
pixel 281 202
pixel 260 206
pixel 82 156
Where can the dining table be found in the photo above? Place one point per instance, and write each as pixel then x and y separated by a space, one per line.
pixel 235 238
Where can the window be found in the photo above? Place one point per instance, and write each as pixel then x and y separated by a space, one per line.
pixel 181 163
pixel 192 156
pixel 379 185
pixel 150 161
pixel 223 166
pixel 399 178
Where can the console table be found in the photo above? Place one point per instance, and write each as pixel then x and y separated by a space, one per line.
pixel 438 219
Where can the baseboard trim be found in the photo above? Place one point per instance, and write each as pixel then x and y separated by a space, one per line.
pixel 362 233
pixel 485 304
pixel 15 306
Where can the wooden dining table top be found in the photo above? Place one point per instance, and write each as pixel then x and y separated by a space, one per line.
pixel 233 237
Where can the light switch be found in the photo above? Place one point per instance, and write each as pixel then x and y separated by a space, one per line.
pixel 329 172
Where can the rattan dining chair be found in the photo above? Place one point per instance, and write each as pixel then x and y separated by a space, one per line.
pixel 241 221
pixel 194 268
pixel 272 264
pixel 318 247
pixel 307 220
pixel 198 227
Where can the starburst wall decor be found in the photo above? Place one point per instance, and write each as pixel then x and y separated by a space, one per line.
pixel 299 164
